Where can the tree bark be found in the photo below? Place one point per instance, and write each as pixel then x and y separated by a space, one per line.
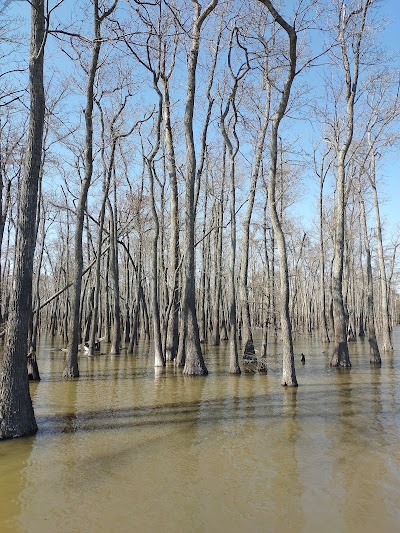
pixel 71 369
pixel 375 357
pixel 387 344
pixel 340 355
pixel 194 362
pixel 17 417
pixel 288 371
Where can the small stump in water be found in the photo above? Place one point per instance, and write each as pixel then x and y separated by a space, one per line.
pixel 32 366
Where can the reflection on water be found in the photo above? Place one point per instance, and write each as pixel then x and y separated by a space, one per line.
pixel 125 448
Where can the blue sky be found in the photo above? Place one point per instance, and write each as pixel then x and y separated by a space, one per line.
pixel 389 171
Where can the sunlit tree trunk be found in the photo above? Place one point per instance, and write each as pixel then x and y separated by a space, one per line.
pixel 244 259
pixel 172 340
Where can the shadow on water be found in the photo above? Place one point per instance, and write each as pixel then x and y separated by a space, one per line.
pixel 212 411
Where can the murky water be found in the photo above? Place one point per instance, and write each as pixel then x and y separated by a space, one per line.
pixel 122 449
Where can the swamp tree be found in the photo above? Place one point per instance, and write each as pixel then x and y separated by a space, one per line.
pixel 288 372
pixel 16 411
pixel 71 369
pixel 351 21
pixel 190 338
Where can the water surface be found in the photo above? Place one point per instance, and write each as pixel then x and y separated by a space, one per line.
pixel 125 449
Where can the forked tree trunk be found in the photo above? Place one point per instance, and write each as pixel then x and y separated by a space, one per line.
pixel 17 417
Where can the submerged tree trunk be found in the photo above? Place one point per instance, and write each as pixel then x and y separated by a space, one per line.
pixel 325 330
pixel 340 355
pixel 17 417
pixel 172 340
pixel 115 348
pixel 216 332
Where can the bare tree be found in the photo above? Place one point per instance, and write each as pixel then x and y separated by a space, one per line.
pixel 194 362
pixel 288 372
pixel 16 411
pixel 351 25
pixel 71 369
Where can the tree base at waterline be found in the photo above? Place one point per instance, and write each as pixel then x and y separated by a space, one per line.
pixel 70 373
pixel 375 356
pixel 340 357
pixel 289 383
pixel 235 369
pixel 262 365
pixel 194 369
pixel 17 420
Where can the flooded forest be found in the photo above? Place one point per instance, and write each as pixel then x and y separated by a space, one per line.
pixel 201 185
pixel 180 177
pixel 199 270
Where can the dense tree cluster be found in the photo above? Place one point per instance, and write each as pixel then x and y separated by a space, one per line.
pixel 154 159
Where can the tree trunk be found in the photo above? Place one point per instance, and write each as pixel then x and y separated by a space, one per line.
pixel 340 355
pixel 71 369
pixel 16 411
pixel 288 371
pixel 244 260
pixel 375 357
pixel 194 362
pixel 387 344
pixel 115 348
pixel 172 341
pixel 325 330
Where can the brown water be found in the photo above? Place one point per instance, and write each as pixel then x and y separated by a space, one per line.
pixel 122 449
